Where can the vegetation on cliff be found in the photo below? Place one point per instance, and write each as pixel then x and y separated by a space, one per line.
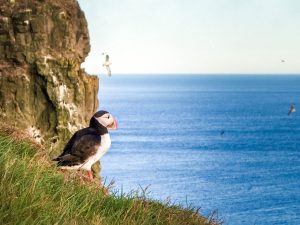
pixel 32 191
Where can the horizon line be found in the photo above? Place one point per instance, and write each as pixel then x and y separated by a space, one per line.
pixel 201 74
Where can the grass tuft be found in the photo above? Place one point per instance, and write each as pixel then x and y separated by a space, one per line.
pixel 34 191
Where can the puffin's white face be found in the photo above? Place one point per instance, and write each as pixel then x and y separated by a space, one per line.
pixel 108 121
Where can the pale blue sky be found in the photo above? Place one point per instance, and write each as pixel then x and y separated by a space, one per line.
pixel 194 36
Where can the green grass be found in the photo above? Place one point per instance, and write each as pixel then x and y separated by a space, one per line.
pixel 34 191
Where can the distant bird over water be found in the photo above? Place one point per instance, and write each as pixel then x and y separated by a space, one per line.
pixel 282 60
pixel 88 145
pixel 222 133
pixel 107 63
pixel 292 109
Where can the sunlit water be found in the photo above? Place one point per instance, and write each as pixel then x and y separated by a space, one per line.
pixel 170 138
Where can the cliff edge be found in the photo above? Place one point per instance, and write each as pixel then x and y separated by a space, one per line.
pixel 42 88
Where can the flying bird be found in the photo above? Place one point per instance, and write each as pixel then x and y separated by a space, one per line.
pixel 222 133
pixel 292 109
pixel 89 144
pixel 107 63
pixel 282 60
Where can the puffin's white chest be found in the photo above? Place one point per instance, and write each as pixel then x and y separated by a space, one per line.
pixel 105 144
pixel 103 148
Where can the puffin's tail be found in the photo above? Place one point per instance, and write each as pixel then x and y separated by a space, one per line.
pixel 67 160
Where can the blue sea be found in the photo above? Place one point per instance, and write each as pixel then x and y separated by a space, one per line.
pixel 219 142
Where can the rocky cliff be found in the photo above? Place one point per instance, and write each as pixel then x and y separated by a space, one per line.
pixel 42 88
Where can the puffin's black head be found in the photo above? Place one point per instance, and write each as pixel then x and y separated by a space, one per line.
pixel 102 120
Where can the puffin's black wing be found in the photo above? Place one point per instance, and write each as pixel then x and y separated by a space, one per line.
pixel 82 145
pixel 69 145
pixel 83 148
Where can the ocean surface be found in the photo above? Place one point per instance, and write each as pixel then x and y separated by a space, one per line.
pixel 221 143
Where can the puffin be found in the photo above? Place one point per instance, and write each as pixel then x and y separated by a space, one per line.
pixel 89 144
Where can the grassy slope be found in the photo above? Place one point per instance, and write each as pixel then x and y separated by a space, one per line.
pixel 32 191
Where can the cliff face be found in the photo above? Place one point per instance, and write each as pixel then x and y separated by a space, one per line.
pixel 42 88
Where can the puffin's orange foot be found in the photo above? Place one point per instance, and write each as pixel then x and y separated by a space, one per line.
pixel 90 174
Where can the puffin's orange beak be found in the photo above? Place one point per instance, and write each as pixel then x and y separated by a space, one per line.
pixel 114 125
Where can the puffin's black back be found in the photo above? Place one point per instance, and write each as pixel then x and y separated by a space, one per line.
pixel 76 137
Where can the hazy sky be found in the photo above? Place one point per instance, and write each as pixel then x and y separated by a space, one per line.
pixel 194 36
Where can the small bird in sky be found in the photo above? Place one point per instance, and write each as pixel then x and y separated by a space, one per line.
pixel 292 109
pixel 282 60
pixel 107 63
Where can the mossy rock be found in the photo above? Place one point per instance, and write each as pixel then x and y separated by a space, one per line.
pixel 43 90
